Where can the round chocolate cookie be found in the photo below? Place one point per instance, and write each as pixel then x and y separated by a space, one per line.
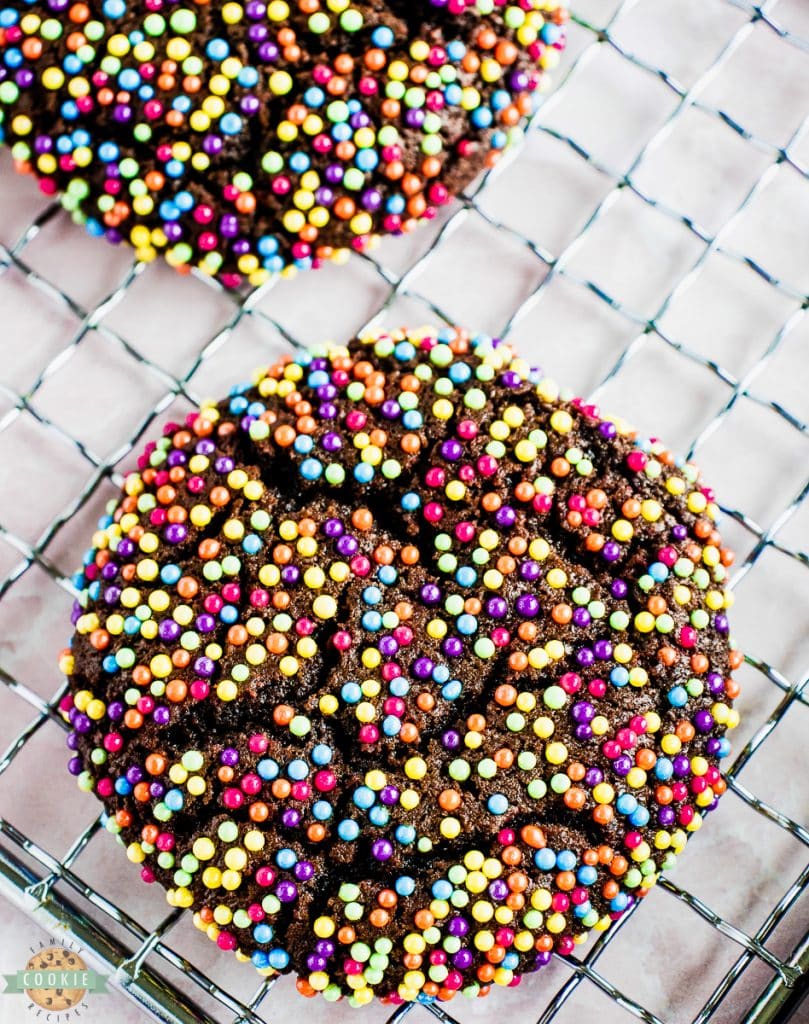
pixel 255 136
pixel 403 669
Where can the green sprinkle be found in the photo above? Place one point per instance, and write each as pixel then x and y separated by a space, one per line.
pixel 192 760
pixel 154 25
pixel 228 831
pixel 555 697
pixel 348 892
pixel 300 725
pixel 351 21
pixel 459 770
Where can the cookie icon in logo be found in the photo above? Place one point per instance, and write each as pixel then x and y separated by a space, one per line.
pixel 44 969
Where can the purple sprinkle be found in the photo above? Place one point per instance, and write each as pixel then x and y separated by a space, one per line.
pixel 333 528
pixel 382 849
pixel 287 892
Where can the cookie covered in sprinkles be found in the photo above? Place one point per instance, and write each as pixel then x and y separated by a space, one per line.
pixel 402 669
pixel 253 137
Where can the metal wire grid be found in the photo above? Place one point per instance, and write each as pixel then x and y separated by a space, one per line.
pixel 29 873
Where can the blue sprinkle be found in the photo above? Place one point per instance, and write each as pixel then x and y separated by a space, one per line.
pixel 169 574
pixel 311 469
pixel 467 624
pixel 169 210
pixel 405 835
pixel 129 79
pixel 267 768
pixel 459 372
pixel 267 246
pixel 247 77
pixel 497 803
pixel 664 769
pixel 566 860
pixel 364 797
pixel 286 859
pixel 297 769
pixel 466 576
pixel 322 754
pixel 404 351
pixel 278 959
pixel 619 676
pixel 395 204
pixel 372 622
pixel 410 501
pixel 442 889
pixel 482 117
pixel 366 160
pixel 217 49
pixel 678 697
pixel 387 575
pixel 314 97
pixel 174 800
pixel 405 886
pixel 322 810
pixel 348 830
pixel 379 816
pixel 545 859
pixel 382 37
pixel 351 693
pixel 252 544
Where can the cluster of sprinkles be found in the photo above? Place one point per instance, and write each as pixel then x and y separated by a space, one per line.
pixel 252 137
pixel 427 683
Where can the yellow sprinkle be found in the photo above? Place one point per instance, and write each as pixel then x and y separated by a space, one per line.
pixel 324 607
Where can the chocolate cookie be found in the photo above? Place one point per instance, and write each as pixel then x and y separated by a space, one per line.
pixel 249 138
pixel 403 669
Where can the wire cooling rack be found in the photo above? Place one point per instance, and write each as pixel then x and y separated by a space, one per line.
pixel 166 342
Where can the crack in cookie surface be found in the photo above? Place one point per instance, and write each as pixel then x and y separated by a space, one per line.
pixel 403 669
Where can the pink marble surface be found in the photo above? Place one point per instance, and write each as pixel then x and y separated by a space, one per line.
pixel 98 392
